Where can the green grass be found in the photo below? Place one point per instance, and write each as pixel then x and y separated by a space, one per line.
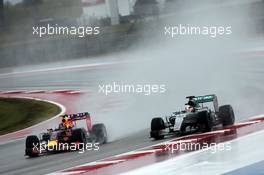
pixel 18 113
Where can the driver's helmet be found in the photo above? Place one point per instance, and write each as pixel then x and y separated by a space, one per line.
pixel 190 106
pixel 67 122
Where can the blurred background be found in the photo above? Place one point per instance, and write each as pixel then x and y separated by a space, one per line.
pixel 122 25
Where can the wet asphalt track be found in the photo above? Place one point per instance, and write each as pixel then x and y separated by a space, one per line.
pixel 12 160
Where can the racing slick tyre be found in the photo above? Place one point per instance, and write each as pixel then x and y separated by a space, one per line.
pixel 226 113
pixel 99 131
pixel 79 136
pixel 157 125
pixel 32 146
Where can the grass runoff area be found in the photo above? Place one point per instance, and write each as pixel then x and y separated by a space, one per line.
pixel 19 113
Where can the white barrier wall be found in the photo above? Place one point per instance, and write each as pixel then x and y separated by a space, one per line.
pixel 113 11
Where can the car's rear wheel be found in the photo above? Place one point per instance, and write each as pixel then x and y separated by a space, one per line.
pixel 226 113
pixel 100 133
pixel 157 125
pixel 32 146
pixel 205 122
pixel 208 124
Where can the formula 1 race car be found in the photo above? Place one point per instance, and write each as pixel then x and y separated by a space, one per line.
pixel 67 136
pixel 197 117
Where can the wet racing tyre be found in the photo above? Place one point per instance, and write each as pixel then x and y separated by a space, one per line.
pixel 78 135
pixel 156 135
pixel 157 125
pixel 227 115
pixel 99 131
pixel 32 146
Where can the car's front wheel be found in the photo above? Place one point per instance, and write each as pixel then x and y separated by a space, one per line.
pixel 32 146
pixel 157 125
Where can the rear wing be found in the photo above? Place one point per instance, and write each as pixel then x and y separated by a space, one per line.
pixel 206 99
pixel 81 116
pixel 78 116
